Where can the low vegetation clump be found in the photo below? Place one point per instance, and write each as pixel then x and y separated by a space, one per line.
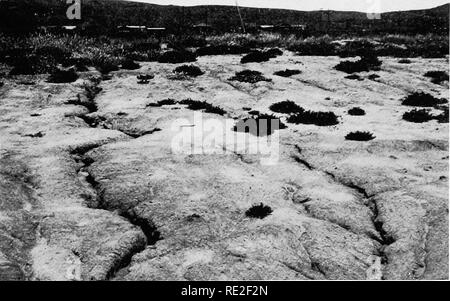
pixel 177 57
pixel 106 64
pixel 356 112
pixel 365 63
pixel 164 102
pixel 437 77
pixel 404 61
pixel 274 52
pixel 27 66
pixel 360 136
pixel 63 76
pixel 443 117
pixel 144 79
pixel 373 76
pixel 129 64
pixel 197 105
pixel 258 211
pixel 222 50
pixel 249 76
pixel 354 77
pixel 314 46
pixel 259 125
pixel 287 73
pixel 316 118
pixel 418 116
pixel 360 47
pixel 421 99
pixel 255 57
pixel 189 70
pixel 286 107
pixel 259 56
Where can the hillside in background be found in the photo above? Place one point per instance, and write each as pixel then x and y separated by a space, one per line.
pixel 108 14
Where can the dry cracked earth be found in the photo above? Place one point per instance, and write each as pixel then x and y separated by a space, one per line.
pixel 91 188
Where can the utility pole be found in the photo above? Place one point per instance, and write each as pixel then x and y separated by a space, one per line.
pixel 240 17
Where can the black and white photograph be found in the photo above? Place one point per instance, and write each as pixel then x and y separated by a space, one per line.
pixel 207 141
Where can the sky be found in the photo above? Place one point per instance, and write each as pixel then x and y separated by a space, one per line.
pixel 307 5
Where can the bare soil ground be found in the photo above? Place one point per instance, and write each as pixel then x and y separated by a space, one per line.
pixel 91 188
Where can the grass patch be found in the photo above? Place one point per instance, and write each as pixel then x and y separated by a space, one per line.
pixel 418 116
pixel 437 77
pixel 189 70
pixel 63 76
pixel 421 99
pixel 177 57
pixel 286 107
pixel 258 211
pixel 360 136
pixel 249 76
pixel 287 73
pixel 316 118
pixel 356 112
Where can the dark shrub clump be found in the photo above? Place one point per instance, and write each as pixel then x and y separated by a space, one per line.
pixel 286 107
pixel 189 70
pixel 354 77
pixel 373 76
pixel 255 57
pixel 421 99
pixel 249 76
pixel 222 50
pixel 356 48
pixel 274 52
pixel 144 78
pixel 404 61
pixel 106 66
pixel 418 116
pixel 197 105
pixel 177 57
pixel 360 136
pixel 443 117
pixel 63 76
pixel 356 112
pixel 437 77
pixel 129 64
pixel 259 125
pixel 258 211
pixel 287 73
pixel 316 118
pixel 315 46
pixel 366 63
pixel 164 102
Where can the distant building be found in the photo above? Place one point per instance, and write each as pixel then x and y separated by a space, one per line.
pixel 267 27
pixel 202 27
pixel 69 27
pixel 131 28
